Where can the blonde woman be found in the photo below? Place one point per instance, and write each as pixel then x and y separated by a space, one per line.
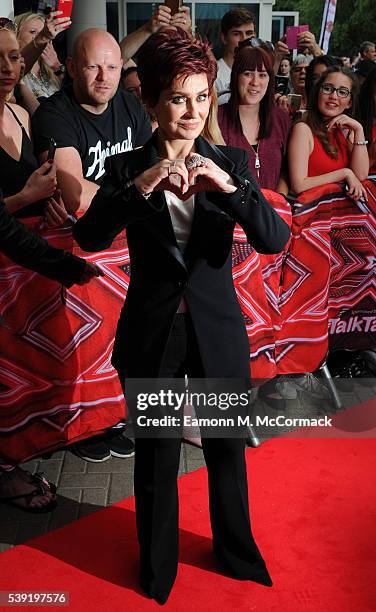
pixel 45 76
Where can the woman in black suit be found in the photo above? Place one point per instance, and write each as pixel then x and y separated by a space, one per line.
pixel 179 199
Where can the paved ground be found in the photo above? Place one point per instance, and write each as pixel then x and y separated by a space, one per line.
pixel 86 487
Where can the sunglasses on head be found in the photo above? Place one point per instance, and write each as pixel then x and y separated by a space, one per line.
pixel 7 24
pixel 255 42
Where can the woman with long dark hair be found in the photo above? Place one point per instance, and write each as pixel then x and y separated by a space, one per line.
pixel 178 198
pixel 328 145
pixel 252 121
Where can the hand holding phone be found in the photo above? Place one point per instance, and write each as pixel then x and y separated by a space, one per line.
pixel 295 101
pixel 66 7
pixel 281 84
pixel 292 35
pixel 51 149
pixel 174 5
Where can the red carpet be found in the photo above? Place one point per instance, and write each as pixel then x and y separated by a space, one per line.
pixel 314 517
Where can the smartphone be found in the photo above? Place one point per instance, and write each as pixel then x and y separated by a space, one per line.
pixel 174 5
pixel 51 149
pixel 294 101
pixel 292 35
pixel 281 84
pixel 66 6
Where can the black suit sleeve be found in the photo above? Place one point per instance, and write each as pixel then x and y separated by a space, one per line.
pixel 264 228
pixel 33 252
pixel 114 206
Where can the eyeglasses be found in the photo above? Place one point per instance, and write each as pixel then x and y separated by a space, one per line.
pixel 342 92
pixel 7 24
pixel 255 42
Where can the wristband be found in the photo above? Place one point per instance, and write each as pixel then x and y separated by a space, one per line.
pixel 361 142
pixel 60 70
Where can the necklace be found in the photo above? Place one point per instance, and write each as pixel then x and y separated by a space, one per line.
pixel 250 135
pixel 257 159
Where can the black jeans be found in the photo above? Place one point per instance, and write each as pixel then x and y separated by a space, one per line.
pixel 155 479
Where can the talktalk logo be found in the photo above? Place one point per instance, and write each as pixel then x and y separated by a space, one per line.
pixel 354 324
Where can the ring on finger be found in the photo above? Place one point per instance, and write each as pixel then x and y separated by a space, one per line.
pixel 195 161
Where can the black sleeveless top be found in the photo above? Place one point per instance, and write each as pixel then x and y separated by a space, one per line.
pixel 14 174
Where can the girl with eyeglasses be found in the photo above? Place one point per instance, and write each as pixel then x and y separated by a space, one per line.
pixel 328 145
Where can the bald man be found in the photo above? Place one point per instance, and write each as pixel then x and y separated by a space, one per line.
pixel 91 119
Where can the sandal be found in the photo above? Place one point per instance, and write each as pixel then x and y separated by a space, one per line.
pixel 41 488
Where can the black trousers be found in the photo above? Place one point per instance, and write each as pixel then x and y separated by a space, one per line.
pixel 155 481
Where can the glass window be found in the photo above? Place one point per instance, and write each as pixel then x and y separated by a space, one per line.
pixel 279 25
pixel 112 19
pixel 137 14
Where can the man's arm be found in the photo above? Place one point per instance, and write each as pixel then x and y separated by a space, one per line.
pixel 161 18
pixel 306 40
pixel 30 250
pixel 131 43
pixel 77 192
pixel 58 121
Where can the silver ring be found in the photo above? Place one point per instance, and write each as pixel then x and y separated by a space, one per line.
pixel 195 161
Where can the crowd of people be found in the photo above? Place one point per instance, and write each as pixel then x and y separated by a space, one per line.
pixel 123 125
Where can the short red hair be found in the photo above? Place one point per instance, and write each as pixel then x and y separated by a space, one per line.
pixel 172 54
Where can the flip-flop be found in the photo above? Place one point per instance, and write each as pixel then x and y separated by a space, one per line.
pixel 42 486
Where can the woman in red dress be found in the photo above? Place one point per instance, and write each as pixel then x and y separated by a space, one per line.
pixel 328 145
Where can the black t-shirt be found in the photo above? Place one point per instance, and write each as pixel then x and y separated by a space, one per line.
pixel 123 126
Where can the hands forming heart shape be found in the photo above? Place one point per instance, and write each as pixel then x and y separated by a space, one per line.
pixel 175 184
pixel 202 175
pixel 184 177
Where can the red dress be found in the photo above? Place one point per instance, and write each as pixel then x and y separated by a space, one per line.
pixel 321 163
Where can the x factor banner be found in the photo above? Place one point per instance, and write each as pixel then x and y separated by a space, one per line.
pixel 57 384
pixel 328 291
pixel 56 379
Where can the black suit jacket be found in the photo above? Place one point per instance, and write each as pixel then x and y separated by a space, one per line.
pixel 29 250
pixel 161 274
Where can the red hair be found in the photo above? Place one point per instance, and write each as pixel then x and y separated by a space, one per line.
pixel 172 54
